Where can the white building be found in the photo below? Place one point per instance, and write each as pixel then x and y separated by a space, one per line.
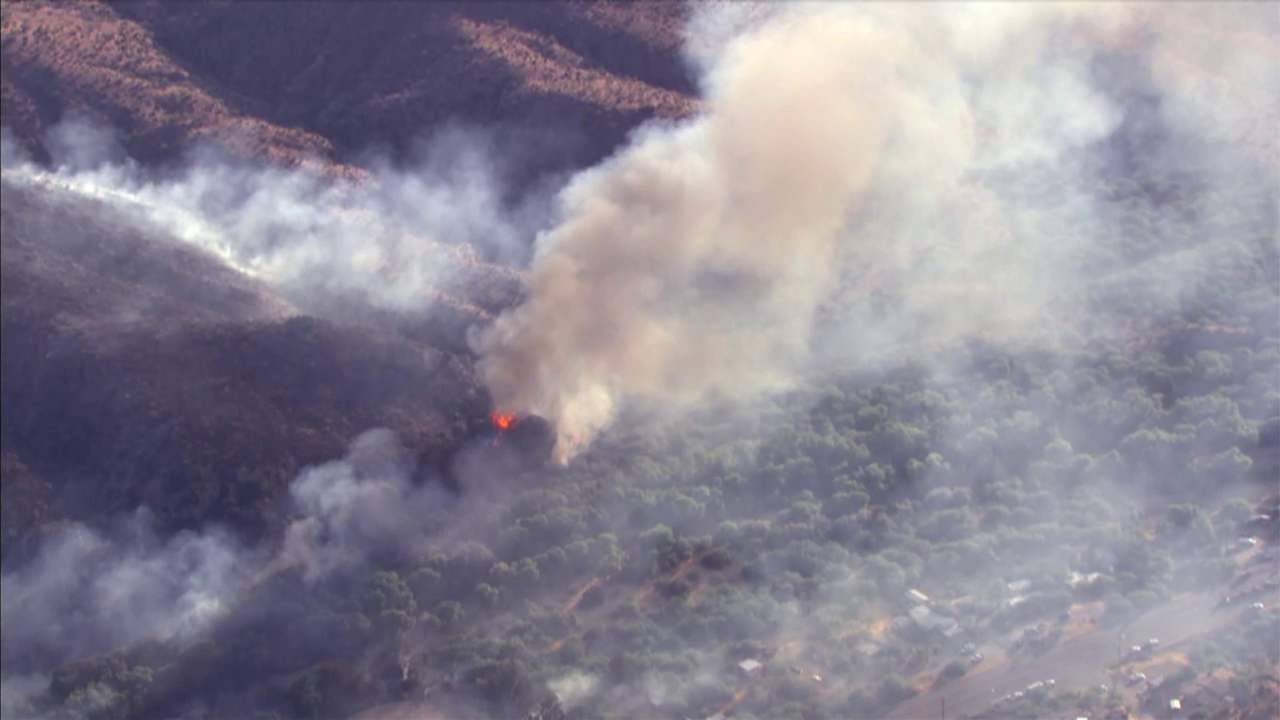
pixel 1077 579
pixel 926 619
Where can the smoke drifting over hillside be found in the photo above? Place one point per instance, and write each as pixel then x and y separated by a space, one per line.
pixel 86 593
pixel 352 507
pixel 952 158
pixel 867 183
pixel 384 241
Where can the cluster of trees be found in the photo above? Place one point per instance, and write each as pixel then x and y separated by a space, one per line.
pixel 789 529
pixel 805 521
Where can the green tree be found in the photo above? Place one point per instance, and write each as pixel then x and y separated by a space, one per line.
pixel 893 690
pixel 1235 511
pixel 951 671
pixel 450 612
pixel 488 595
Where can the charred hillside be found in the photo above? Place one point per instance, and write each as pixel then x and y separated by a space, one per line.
pixel 933 358
pixel 564 82
pixel 139 371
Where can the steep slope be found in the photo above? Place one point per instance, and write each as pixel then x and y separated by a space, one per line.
pixel 84 58
pixel 140 371
pixel 564 81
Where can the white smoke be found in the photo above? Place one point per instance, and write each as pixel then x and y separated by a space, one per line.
pixel 351 505
pixel 20 694
pixel 572 689
pixel 947 155
pixel 86 593
pixel 387 239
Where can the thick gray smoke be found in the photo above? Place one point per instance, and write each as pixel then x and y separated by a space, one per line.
pixel 948 156
pixel 88 593
pixel 350 510
pixel 352 506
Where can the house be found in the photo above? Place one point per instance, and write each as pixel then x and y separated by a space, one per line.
pixel 751 668
pixel 926 619
pixel 1078 579
pixel 921 615
pixel 917 597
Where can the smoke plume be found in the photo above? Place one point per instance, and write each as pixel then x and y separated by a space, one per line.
pixel 948 157
pixel 353 506
pixel 87 593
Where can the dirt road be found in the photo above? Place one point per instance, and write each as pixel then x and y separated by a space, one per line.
pixel 1082 660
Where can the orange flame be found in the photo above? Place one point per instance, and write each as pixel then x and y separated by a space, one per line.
pixel 502 420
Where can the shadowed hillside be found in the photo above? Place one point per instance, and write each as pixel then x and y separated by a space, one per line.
pixel 363 360
pixel 565 81
pixel 122 345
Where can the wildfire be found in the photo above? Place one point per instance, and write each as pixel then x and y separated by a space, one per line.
pixel 504 422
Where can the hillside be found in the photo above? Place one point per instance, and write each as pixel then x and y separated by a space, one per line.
pixel 121 345
pixel 166 78
pixel 936 358
pixel 564 82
